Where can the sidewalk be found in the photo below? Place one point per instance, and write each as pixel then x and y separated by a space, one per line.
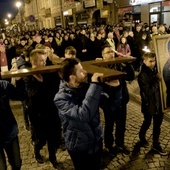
pixel 145 159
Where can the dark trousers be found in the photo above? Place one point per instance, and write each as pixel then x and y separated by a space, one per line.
pixel 157 121
pixel 49 137
pixel 117 117
pixel 25 114
pixel 84 161
pixel 13 153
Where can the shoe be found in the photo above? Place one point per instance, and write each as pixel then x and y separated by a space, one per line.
pixel 40 159
pixel 56 165
pixel 144 143
pixel 62 147
pixel 27 127
pixel 123 149
pixel 112 150
pixel 159 149
pixel 33 143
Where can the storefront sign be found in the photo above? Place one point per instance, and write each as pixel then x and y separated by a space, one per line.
pixel 166 3
pixel 89 3
pixel 138 2
pixel 104 12
pixel 109 1
pixel 68 12
pixel 99 4
pixel 122 11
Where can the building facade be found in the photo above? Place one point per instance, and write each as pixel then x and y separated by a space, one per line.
pixel 38 14
pixel 147 11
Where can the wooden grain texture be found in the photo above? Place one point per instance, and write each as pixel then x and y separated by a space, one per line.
pixel 90 66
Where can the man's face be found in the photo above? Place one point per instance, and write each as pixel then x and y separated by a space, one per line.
pixel 150 62
pixel 110 35
pixel 41 61
pixel 83 32
pixel 71 36
pixel 80 75
pixel 108 53
pixel 37 38
pixel 138 28
pixel 154 29
pixel 99 36
pixel 22 42
pixel 131 33
pixel 50 39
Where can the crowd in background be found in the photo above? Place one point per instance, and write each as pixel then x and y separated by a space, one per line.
pixel 87 40
pixel 19 50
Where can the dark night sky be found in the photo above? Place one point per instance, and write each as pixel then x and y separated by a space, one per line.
pixel 8 6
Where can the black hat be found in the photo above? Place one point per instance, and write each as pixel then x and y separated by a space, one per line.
pixel 23 39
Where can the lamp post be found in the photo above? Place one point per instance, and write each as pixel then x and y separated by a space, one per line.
pixel 9 16
pixel 18 5
pixel 6 22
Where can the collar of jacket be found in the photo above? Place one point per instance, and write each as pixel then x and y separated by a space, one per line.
pixel 148 70
pixel 71 90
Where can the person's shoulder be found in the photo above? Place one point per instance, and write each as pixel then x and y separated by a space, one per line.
pixel 4 85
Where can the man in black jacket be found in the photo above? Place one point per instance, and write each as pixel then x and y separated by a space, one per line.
pixel 114 104
pixel 43 114
pixel 148 81
pixel 9 143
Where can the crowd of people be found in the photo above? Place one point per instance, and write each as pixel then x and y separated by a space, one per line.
pixel 66 105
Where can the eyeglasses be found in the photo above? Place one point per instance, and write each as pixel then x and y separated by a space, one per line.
pixel 108 52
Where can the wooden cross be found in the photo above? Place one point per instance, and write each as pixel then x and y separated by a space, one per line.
pixel 90 66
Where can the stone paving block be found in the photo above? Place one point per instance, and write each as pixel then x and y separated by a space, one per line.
pixel 157 156
pixel 156 164
pixel 110 166
pixel 116 164
pixel 151 165
pixel 143 161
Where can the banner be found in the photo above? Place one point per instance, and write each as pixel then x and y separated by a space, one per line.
pixel 3 58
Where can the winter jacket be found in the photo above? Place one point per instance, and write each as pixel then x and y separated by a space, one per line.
pixel 149 91
pixel 79 114
pixel 8 124
pixel 114 97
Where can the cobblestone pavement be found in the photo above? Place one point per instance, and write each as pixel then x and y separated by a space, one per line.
pixel 144 159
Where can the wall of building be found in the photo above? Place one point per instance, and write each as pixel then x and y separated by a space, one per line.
pixel 145 13
pixel 39 8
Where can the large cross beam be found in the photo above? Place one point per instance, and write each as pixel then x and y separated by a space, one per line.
pixel 90 66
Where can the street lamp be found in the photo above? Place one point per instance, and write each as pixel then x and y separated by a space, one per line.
pixel 9 16
pixel 18 5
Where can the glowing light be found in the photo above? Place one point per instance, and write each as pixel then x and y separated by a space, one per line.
pixel 146 49
pixel 18 4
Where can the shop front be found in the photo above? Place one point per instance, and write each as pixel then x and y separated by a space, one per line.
pixel 147 11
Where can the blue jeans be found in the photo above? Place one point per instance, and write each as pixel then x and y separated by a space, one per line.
pixel 13 153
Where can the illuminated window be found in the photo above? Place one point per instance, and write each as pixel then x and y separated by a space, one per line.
pixel 155 7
